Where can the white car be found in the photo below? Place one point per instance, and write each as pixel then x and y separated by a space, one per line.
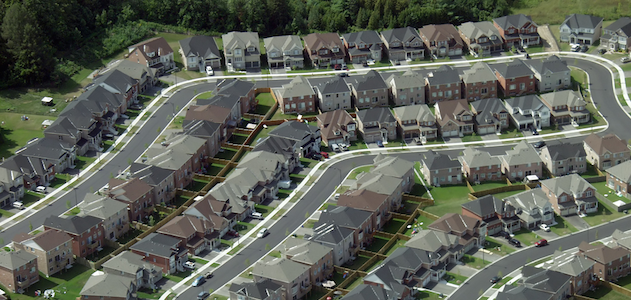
pixel 209 71
pixel 257 215
pixel 262 233
pixel 544 227
pixel 190 265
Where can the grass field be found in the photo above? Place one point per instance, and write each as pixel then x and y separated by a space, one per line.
pixel 554 11
pixel 448 199
pixel 17 133
pixel 67 285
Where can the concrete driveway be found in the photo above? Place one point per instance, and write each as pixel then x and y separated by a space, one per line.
pixel 577 222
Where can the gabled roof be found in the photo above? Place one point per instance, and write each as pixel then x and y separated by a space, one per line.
pixel 48 148
pixel 602 253
pixel 344 216
pixel 572 184
pixel 487 110
pixel 200 128
pixel 208 207
pixel 263 161
pixel 376 114
pixel 297 87
pixel 283 43
pixel 565 97
pixel 418 112
pixel 452 222
pixel 522 153
pixel 564 151
pixel 157 244
pixel 576 21
pixel 132 69
pixel 527 200
pixel 362 199
pixel 391 276
pixel 25 165
pixel 368 37
pixel 438 160
pixel 474 158
pixel 129 262
pixel 303 251
pixel 240 40
pixel 569 263
pixel 332 86
pixel 446 74
pixel 75 225
pixel 277 145
pixel 44 241
pixel 378 183
pixel 621 171
pixel 233 86
pixel 409 79
pixel 279 269
pixel 515 69
pixel 517 21
pixel 391 165
pixel 450 109
pixel 371 81
pixel 526 102
pixel 522 293
pixel 403 35
pixel 128 190
pixel 185 226
pixel 487 205
pixel 107 285
pixel 294 130
pixel 369 291
pixel 255 290
pixel 475 30
pixel 12 260
pixel 150 174
pixel 432 241
pixel 544 280
pixel 329 40
pixel 621 238
pixel 178 151
pixel 623 24
pixel 608 143
pixel 116 82
pixel 551 64
pixel 334 121
pixel 479 72
pixel 330 234
pixel 201 46
pixel 156 44
pixel 441 32
pixel 211 113
pixel 101 207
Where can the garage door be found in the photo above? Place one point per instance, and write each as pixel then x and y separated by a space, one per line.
pixel 484 130
pixel 450 133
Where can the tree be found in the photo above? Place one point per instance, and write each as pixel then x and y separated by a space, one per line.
pixel 68 204
pixel 30 226
pixel 152 221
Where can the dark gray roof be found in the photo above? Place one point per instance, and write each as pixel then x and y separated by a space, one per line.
pixel 621 171
pixel 623 24
pixel 437 161
pixel 368 37
pixel 201 45
pixel 516 68
pixel 544 280
pixel 523 293
pixel 294 130
pixel 234 86
pixel 564 151
pixel 47 148
pixel 276 145
pixel 150 174
pixel 329 233
pixel 517 21
pixel 255 290
pixel 222 100
pixel 97 100
pixel 371 81
pixel 80 118
pixel 376 114
pixel 400 34
pixel 551 64
pixel 200 128
pixel 344 216
pixel 487 205
pixel 370 292
pixel 576 21
pixel 486 109
pixel 117 80
pixel 25 165
pixel 444 75
pixel 157 244
pixel 334 85
pixel 525 102
pixel 75 225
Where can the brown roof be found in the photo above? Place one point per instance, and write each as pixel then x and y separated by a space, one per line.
pixel 601 253
pixel 441 32
pixel 154 45
pixel 128 191
pixel 47 240
pixel 20 237
pixel 449 109
pixel 362 199
pixel 315 41
pixel 456 223
pixel 333 121
pixel 609 142
pixel 210 113
pixel 185 226
pixel 209 206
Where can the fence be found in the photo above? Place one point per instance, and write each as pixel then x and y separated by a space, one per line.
pixel 596 179
pixel 616 288
pixel 428 215
pixel 502 189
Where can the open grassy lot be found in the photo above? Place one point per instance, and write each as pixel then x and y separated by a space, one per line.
pixel 15 133
pixel 448 199
pixel 496 247
pixel 603 189
pixel 604 214
pixel 554 11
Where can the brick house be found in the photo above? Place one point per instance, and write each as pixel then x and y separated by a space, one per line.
pixel 564 158
pixel 491 116
pixel 443 84
pixel 416 121
pixel 533 208
pixel 137 194
pixel 481 38
pixel 87 233
pixel 337 127
pixel 479 82
pixel 442 40
pixel 454 118
pixel 324 49
pixel 551 72
pixel 333 94
pixel 339 238
pixel 606 151
pixel 521 161
pixel 377 124
pixel 195 234
pixel 610 263
pixel 318 257
pixel 362 46
pixel 374 203
pixel 497 214
pixel 114 214
pixel 479 165
pixel 407 88
pixel 517 30
pixel 439 169
pixel 184 155
pixel 471 231
pixel 102 286
pixel 132 265
pixel 553 284
pixel 154 53
pixel 579 268
pixel 619 179
pixel 18 270
pixel 566 107
pixel 52 248
pixel 514 78
pixel 617 36
pixel 296 97
pixel 294 277
pixel 215 211
pixel 570 194
pixel 360 221
pixel 161 180
pixel 162 251
pixel 380 183
pixel 403 44
pixel 369 90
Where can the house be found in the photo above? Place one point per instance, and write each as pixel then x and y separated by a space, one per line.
pixel 34 172
pixel 333 94
pixel 514 78
pixel 199 52
pixel 482 38
pixel 454 118
pixel 581 29
pixel 113 213
pixel 119 84
pixel 570 194
pixel 241 50
pixel 442 248
pixel 368 291
pixel 532 208
pixel 87 232
pixel 471 231
pixel 620 239
pixel 416 121
pixel 337 127
pixel 617 36
pixel 564 158
pixel 566 107
pixel 296 97
pixel 161 180
pixel 262 290
pixel 101 285
pixel 104 106
pixel 396 167
pixel 324 49
pixel 195 234
pixel 497 214
pixel 619 179
pixel 380 183
pixel 61 155
pixel 155 53
pixel 517 30
pixel 307 136
pixel 52 248
pixel 479 82
pixel 545 280
pixel 132 265
pixel 162 251
pixel 521 161
pixel 360 221
pixel 579 268
pixel 18 270
pixel 182 154
pixel 407 88
pixel 210 131
pixel 551 72
pixel 284 52
pixel 11 185
pixel 403 271
pixel 479 165
pixel 294 277
pixel 491 116
pixel 439 169
pixel 443 84
pixel 318 258
pixel 610 263
pixel 606 151
pixel 403 44
pixel 442 40
pixel 143 74
pixel 337 237
pixel 510 292
pixel 528 112
pixel 377 124
pixel 219 213
pixel 78 128
pixel 369 90
pixel 289 149
pixel 374 203
pixel 137 194
pixel 363 46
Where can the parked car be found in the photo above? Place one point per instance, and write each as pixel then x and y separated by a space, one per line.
pixel 190 265
pixel 257 215
pixel 602 51
pixel 544 227
pixel 337 196
pixel 504 234
pixel 337 67
pixel 18 205
pixel 284 184
pixel 343 146
pixel 41 189
pixel 316 156
pixel 324 154
pixel 584 48
pixel 365 64
pixel 541 243
pixel 202 295
pixel 625 59
pixel 335 148
pixel 343 74
pixel 199 281
pixel 417 141
pixel 514 242
pixel 380 143
pixel 262 233
pixel 209 71
pixel 209 275
pixel 496 279
pixel 539 144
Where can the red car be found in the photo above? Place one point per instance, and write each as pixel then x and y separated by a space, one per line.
pixel 541 243
pixel 324 154
pixel 337 67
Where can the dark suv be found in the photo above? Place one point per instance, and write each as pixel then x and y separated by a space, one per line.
pixel 504 234
pixel 515 242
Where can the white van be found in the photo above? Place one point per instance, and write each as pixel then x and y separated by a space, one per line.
pixel 41 189
pixel 335 148
pixel 284 184
pixel 18 205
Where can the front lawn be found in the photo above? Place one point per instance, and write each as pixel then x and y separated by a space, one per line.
pixel 604 214
pixel 526 237
pixel 448 199
pixel 474 262
pixel 67 285
pixel 496 247
pixel 510 133
pixel 308 163
pixel 563 227
pixel 30 198
pixel 471 138
pixel 608 193
pixel 454 278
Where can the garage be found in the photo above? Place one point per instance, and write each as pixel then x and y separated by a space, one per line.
pixel 485 130
pixel 450 133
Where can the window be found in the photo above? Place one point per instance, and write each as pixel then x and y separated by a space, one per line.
pixel 512 86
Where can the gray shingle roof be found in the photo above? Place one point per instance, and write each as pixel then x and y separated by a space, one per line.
pixel 330 233
pixel 565 97
pixel 576 21
pixel 47 148
pixel 132 69
pixel 371 81
pixel 157 244
pixel 475 30
pixel 436 161
pixel 200 128
pixel 544 280
pixel 418 112
pixel 255 290
pixel 201 46
pixel 486 110
pixel 231 86
pixel 474 158
pixel 552 64
pixel 623 24
pixel 279 269
pixel 367 37
pixel 294 130
pixel 400 34
pixel 523 293
pixel 516 68
pixel 277 145
pixel 376 114
pixel 15 259
pixel 304 251
pixel 378 183
pixel 391 166
pixel 282 43
pixel 571 184
pixel 409 79
pixel 444 75
pixel 241 40
pixel 297 87
pixel 100 206
pixel 344 216
pixel 532 102
pixel 569 263
pixel 564 151
pixel 151 175
pixel 116 80
pixel 432 241
pixel 479 72
pixel 487 205
pixel 522 153
pixel 332 86
pixel 517 21
pixel 621 171
pixel 129 263
pixel 75 225
pixel 107 285
pixel 370 292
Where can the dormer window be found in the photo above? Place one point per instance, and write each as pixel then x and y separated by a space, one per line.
pixel 237 52
pixel 251 49
pixel 335 50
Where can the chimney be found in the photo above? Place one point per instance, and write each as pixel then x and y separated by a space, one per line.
pixel 159 51
pixel 144 48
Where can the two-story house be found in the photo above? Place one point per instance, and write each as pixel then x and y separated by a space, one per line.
pixel 416 121
pixel 52 248
pixel 479 165
pixel 443 249
pixel 479 82
pixel 294 277
pixel 337 127
pixel 369 291
pixel 137 194
pixel 59 154
pixel 101 285
pixel 241 50
pixel 333 94
pixel 481 38
pixel 132 265
pixel 161 180
pixel 391 185
pixel 606 151
pixel 261 290
pixel 395 167
pixel 517 30
pixel 497 214
pixel 369 90
pixel 78 128
pixel 11 185
pixel 581 29
pixel 142 73
pixel 443 84
pixel 620 238
pixel 570 194
pixel 407 88
pixel 114 214
pixel 442 40
pixel 567 107
pixel 324 49
pixel 403 44
pixel 556 284
pixel 491 116
pixel 121 84
pixel 564 158
pixel 360 221
pixel 284 52
pixel 296 97
pixel 162 251
pixel 337 237
pixel 405 270
pixel 514 78
pixel 579 268
pixel 34 172
pixel 471 231
pixel 362 46
pixel 18 270
pixel 215 211
pixel 619 179
pixel 86 231
pixel 532 208
pixel 454 118
pixel 617 36
pixel 183 155
pixel 377 124
pixel 439 169
pixel 318 257
pixel 155 53
pixel 195 234
pixel 199 52
pixel 610 263
pixel 528 112
pixel 551 72
pixel 308 136
pixel 521 161
pixel 374 203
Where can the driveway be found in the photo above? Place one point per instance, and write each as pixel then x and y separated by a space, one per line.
pixel 549 42
pixel 490 137
pixel 577 222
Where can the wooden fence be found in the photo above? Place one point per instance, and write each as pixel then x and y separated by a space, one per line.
pixel 502 189
pixel 616 288
pixel 428 215
pixel 596 179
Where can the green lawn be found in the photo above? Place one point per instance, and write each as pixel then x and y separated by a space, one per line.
pixel 279 115
pixel 474 262
pixel 82 162
pixel 471 138
pixel 604 293
pixel 454 278
pixel 31 197
pixel 625 282
pixel 526 237
pixel 535 49
pixel 393 226
pixel 358 262
pixel 426 295
pixel 563 227
pixel 266 101
pixel 308 163
pixel 377 243
pixel 488 185
pixel 395 246
pixel 506 194
pixel 421 222
pixel 510 133
pixel 554 11
pixel 67 285
pixel 591 172
pixel 603 189
pixel 496 247
pixel 262 134
pixel 604 214
pixel 16 133
pixel 502 282
pixel 448 199
pixel 263 209
pixel 579 77
pixel 358 170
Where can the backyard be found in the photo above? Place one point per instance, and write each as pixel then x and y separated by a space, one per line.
pixel 608 193
pixel 604 214
pixel 448 199
pixel 265 103
pixel 15 132
pixel 67 285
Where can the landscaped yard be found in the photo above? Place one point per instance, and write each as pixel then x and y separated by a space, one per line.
pixel 563 227
pixel 506 194
pixel 471 138
pixel 454 278
pixel 604 293
pixel 377 243
pixel 17 133
pixel 266 101
pixel 448 199
pixel 603 189
pixel 474 262
pixel 357 171
pixel 421 222
pixel 493 245
pixel 263 133
pixel 604 214
pixel 67 285
pixel 526 237
pixel 393 226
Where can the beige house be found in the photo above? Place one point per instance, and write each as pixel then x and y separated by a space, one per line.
pixel 113 213
pixel 318 257
pixel 605 151
pixel 53 250
pixel 294 277
pixel 241 50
